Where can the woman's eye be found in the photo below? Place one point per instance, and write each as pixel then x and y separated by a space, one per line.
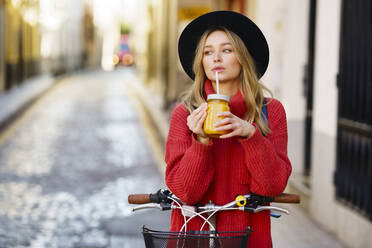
pixel 227 50
pixel 207 52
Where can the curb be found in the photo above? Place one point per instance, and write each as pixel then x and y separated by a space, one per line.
pixel 154 120
pixel 153 107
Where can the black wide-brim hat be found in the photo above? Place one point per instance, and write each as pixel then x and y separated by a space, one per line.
pixel 241 25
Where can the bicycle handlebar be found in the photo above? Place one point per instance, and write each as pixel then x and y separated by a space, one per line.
pixel 162 196
pixel 139 198
pixel 163 200
pixel 166 200
pixel 211 208
pixel 287 198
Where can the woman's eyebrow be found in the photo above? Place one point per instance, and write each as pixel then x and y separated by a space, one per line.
pixel 222 44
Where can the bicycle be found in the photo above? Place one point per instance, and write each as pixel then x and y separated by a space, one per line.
pixel 165 200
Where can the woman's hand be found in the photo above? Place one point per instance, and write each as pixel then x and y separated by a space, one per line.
pixel 238 126
pixel 195 122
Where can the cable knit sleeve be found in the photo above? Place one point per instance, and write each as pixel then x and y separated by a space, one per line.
pixel 189 169
pixel 266 157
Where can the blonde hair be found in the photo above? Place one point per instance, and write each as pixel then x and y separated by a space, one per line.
pixel 250 87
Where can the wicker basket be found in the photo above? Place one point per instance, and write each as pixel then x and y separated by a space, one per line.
pixel 195 239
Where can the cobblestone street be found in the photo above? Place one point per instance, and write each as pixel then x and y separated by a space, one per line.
pixel 68 164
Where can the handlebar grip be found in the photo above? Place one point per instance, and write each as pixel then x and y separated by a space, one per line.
pixel 139 198
pixel 287 198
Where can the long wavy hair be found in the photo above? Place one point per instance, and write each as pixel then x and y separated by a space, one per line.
pixel 250 87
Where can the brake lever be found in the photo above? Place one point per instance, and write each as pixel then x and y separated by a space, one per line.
pixel 162 206
pixel 271 208
pixel 146 206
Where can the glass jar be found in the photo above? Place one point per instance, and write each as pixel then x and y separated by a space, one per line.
pixel 216 104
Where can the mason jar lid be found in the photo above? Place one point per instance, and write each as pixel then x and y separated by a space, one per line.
pixel 218 97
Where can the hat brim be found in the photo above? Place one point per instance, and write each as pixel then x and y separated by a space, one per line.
pixel 241 25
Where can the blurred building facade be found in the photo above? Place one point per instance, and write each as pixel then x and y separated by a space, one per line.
pixel 45 36
pixel 2 46
pixel 323 78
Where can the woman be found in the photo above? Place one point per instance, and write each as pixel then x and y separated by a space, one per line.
pixel 252 156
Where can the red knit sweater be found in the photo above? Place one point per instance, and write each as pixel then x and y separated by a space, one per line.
pixel 197 173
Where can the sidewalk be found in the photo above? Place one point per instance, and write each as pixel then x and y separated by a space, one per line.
pixel 295 230
pixel 19 98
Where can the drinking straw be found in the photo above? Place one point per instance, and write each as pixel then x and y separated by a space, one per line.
pixel 217 83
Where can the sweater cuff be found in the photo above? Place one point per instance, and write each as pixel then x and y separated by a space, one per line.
pixel 198 143
pixel 250 143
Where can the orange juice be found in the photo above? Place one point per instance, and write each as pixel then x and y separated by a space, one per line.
pixel 216 104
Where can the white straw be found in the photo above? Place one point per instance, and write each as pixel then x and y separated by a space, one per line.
pixel 217 83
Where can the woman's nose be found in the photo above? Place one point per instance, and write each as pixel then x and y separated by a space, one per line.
pixel 217 57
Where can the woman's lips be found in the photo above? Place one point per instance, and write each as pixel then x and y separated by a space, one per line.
pixel 218 69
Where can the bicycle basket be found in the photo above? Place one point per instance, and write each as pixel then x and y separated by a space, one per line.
pixel 195 239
